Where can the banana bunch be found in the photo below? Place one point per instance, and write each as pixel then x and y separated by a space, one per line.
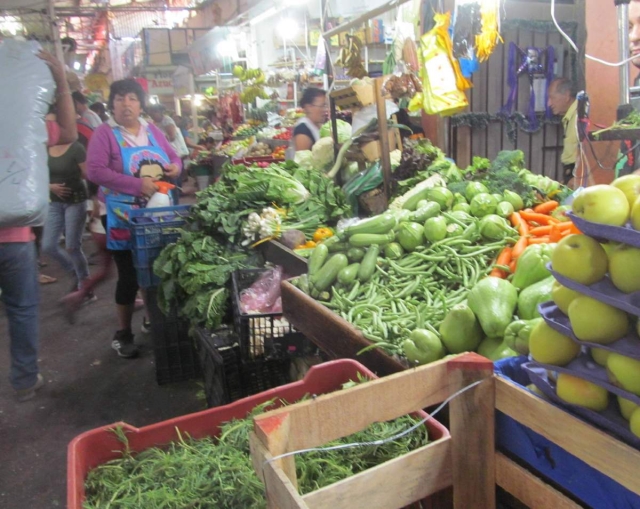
pixel 252 92
pixel 350 57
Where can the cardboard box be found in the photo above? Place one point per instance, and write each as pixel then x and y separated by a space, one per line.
pixel 372 150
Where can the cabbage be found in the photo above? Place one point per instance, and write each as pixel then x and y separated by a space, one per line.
pixel 410 235
pixel 494 227
pixel 344 130
pixel 483 204
pixel 304 158
pixel 322 152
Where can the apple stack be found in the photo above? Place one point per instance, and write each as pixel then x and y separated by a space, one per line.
pixel 590 335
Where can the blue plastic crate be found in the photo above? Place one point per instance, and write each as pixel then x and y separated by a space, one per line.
pixel 151 231
pixel 549 460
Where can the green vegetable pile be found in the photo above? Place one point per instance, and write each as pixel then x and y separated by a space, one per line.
pixel 405 269
pixel 195 271
pixel 214 473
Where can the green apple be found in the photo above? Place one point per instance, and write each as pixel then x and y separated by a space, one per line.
pixel 626 407
pixel 577 391
pixel 548 346
pixel 602 204
pixel 534 388
pixel 624 268
pixel 630 186
pixel 609 246
pixel 563 296
pixel 600 355
pixel 580 258
pixel 624 372
pixel 595 321
pixel 634 422
pixel 635 215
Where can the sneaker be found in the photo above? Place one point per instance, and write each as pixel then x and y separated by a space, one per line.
pixel 123 344
pixel 27 394
pixel 146 326
pixel 89 298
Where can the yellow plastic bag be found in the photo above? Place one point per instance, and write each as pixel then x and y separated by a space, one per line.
pixel 442 81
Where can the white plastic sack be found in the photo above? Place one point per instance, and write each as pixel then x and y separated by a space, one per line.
pixel 26 90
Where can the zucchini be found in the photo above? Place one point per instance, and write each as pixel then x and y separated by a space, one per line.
pixel 382 223
pixel 431 209
pixel 368 239
pixel 317 258
pixel 325 277
pixel 338 247
pixel 348 275
pixel 368 265
pixel 355 254
pixel 330 241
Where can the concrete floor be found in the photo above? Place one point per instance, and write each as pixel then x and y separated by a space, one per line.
pixel 87 386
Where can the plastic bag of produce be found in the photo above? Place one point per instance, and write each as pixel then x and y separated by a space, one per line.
pixel 442 81
pixel 24 173
pixel 263 296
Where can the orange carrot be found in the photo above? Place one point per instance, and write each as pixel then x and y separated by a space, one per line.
pixel 504 258
pixel 564 225
pixel 555 235
pixel 539 240
pixel 539 231
pixel 512 266
pixel 515 220
pixel 574 229
pixel 534 217
pixel 547 207
pixel 519 247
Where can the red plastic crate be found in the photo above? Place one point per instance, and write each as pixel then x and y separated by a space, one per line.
pixel 100 445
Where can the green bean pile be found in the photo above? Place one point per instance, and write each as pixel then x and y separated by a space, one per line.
pixel 415 291
pixel 217 473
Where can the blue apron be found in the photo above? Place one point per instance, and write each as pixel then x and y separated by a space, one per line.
pixel 136 162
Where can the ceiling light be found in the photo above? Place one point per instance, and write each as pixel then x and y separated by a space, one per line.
pixel 77 66
pixel 262 16
pixel 288 28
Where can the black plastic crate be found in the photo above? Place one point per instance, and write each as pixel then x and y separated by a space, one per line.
pixel 176 358
pixel 226 377
pixel 266 335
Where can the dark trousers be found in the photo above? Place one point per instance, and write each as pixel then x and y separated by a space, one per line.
pixel 127 285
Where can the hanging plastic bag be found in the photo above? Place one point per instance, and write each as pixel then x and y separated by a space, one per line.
pixel 24 173
pixel 442 81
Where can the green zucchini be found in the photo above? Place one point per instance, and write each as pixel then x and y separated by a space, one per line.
pixel 330 241
pixel 431 209
pixel 355 254
pixel 382 223
pixel 368 265
pixel 368 239
pixel 324 278
pixel 317 258
pixel 348 275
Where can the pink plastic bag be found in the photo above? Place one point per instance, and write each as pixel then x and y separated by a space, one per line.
pixel 263 296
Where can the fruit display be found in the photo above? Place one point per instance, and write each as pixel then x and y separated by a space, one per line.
pixel 278 152
pixel 350 57
pixel 259 149
pixel 245 130
pixel 234 148
pixel 272 133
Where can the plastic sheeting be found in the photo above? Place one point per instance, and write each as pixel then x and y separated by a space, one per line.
pixel 26 87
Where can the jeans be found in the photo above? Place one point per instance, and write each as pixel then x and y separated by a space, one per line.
pixel 20 295
pixel 70 218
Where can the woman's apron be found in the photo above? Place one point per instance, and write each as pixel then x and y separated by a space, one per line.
pixel 290 153
pixel 136 162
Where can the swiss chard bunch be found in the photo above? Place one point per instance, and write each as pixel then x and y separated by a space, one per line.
pixel 195 272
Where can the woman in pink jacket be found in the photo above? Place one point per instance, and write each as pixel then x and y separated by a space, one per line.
pixel 126 156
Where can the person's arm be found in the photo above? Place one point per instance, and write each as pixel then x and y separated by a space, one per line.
pixel 99 162
pixel 65 112
pixel 170 131
pixel 302 142
pixel 174 169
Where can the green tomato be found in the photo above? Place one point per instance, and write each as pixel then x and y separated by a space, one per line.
pixel 462 207
pixel 435 229
pixel 504 209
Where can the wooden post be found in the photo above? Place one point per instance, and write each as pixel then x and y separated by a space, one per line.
pixel 383 131
pixel 473 433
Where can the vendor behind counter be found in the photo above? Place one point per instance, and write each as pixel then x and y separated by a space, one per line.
pixel 307 131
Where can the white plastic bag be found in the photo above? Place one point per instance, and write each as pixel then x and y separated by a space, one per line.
pixel 26 89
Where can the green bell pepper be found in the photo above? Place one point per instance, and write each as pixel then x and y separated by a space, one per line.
pixel 422 347
pixel 532 265
pixel 517 335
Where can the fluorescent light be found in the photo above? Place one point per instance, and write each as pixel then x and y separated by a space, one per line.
pixel 288 28
pixel 262 16
pixel 77 66
pixel 226 49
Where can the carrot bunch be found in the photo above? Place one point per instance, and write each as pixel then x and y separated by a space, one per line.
pixel 535 226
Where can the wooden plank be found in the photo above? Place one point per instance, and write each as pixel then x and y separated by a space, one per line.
pixel 400 482
pixel 384 139
pixel 495 84
pixel 281 493
pixel 463 146
pixel 537 139
pixel 279 254
pixel 472 427
pixel 528 488
pixel 596 448
pixel 328 417
pixel 332 333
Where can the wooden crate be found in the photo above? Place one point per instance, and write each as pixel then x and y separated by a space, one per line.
pixel 332 333
pixel 354 97
pixel 372 151
pixel 464 460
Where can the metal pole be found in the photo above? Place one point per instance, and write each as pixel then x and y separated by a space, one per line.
pixel 57 45
pixel 194 108
pixel 622 6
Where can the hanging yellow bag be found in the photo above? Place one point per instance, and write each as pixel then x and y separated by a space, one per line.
pixel 442 81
